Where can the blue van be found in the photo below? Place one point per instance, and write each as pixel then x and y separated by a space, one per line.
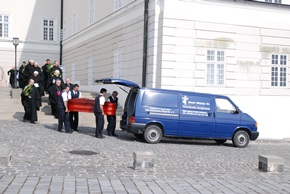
pixel 155 113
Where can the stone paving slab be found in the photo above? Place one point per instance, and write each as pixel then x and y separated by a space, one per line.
pixel 41 163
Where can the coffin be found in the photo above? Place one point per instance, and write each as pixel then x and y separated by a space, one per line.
pixel 81 105
pixel 87 105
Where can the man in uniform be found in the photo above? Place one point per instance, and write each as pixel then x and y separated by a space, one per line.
pixel 74 116
pixel 99 113
pixel 62 108
pixel 112 118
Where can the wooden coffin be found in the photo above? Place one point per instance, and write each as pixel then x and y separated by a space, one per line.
pixel 81 105
pixel 87 105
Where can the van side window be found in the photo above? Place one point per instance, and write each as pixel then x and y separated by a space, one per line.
pixel 168 100
pixel 225 106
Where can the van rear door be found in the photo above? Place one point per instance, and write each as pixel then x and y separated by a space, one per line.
pixel 121 82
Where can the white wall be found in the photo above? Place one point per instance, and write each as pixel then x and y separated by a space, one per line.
pixel 26 23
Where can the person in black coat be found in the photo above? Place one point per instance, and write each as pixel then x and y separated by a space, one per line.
pixel 12 72
pixel 30 100
pixel 53 79
pixel 45 71
pixel 54 93
pixel 29 69
pixel 38 82
pixel 21 78
pixel 54 68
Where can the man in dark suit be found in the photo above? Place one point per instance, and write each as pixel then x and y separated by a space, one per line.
pixel 63 113
pixel 112 118
pixel 74 116
pixel 99 113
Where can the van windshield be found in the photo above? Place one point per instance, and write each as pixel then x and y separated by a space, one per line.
pixel 130 101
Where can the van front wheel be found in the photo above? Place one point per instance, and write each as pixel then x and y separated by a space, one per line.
pixel 241 139
pixel 152 134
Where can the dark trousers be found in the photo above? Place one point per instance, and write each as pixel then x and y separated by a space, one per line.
pixel 63 117
pixel 27 114
pixel 74 120
pixel 111 124
pixel 54 110
pixel 99 124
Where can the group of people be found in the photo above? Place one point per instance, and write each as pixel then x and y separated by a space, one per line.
pixel 36 81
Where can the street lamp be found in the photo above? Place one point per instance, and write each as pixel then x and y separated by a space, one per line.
pixel 15 43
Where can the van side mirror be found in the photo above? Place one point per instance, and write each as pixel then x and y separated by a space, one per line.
pixel 235 111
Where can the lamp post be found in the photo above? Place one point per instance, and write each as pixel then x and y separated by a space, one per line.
pixel 15 43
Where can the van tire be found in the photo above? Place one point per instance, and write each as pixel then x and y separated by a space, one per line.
pixel 152 134
pixel 220 141
pixel 241 139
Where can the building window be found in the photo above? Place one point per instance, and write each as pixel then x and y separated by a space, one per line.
pixel 73 67
pixel 279 70
pixel 118 4
pixel 90 71
pixel 117 63
pixel 92 12
pixel 48 29
pixel 4 25
pixel 74 23
pixel 215 67
pixel 274 1
pixel 64 31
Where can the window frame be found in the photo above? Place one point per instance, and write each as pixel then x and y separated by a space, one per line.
pixel 49 28
pixel 5 31
pixel 92 11
pixel 214 64
pixel 276 81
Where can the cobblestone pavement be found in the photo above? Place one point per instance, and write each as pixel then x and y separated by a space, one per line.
pixel 42 163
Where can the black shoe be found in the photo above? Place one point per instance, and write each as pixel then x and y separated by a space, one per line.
pixel 75 130
pixel 109 134
pixel 59 131
pixel 98 136
pixel 34 122
pixel 102 137
pixel 115 135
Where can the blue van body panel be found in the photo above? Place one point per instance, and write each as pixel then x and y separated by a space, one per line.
pixel 156 107
pixel 183 114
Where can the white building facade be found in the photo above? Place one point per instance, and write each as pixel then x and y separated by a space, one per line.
pixel 235 48
pixel 36 24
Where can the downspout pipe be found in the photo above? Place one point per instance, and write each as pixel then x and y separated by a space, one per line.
pixel 145 42
pixel 61 30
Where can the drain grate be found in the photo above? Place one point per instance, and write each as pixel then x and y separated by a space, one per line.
pixel 83 152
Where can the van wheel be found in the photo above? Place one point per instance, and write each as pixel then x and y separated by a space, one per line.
pixel 220 141
pixel 241 139
pixel 152 134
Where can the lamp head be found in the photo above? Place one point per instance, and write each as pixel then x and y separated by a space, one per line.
pixel 15 41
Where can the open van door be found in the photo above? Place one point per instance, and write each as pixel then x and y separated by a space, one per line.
pixel 121 82
pixel 129 106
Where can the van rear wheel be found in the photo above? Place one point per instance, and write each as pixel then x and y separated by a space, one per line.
pixel 241 139
pixel 152 134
